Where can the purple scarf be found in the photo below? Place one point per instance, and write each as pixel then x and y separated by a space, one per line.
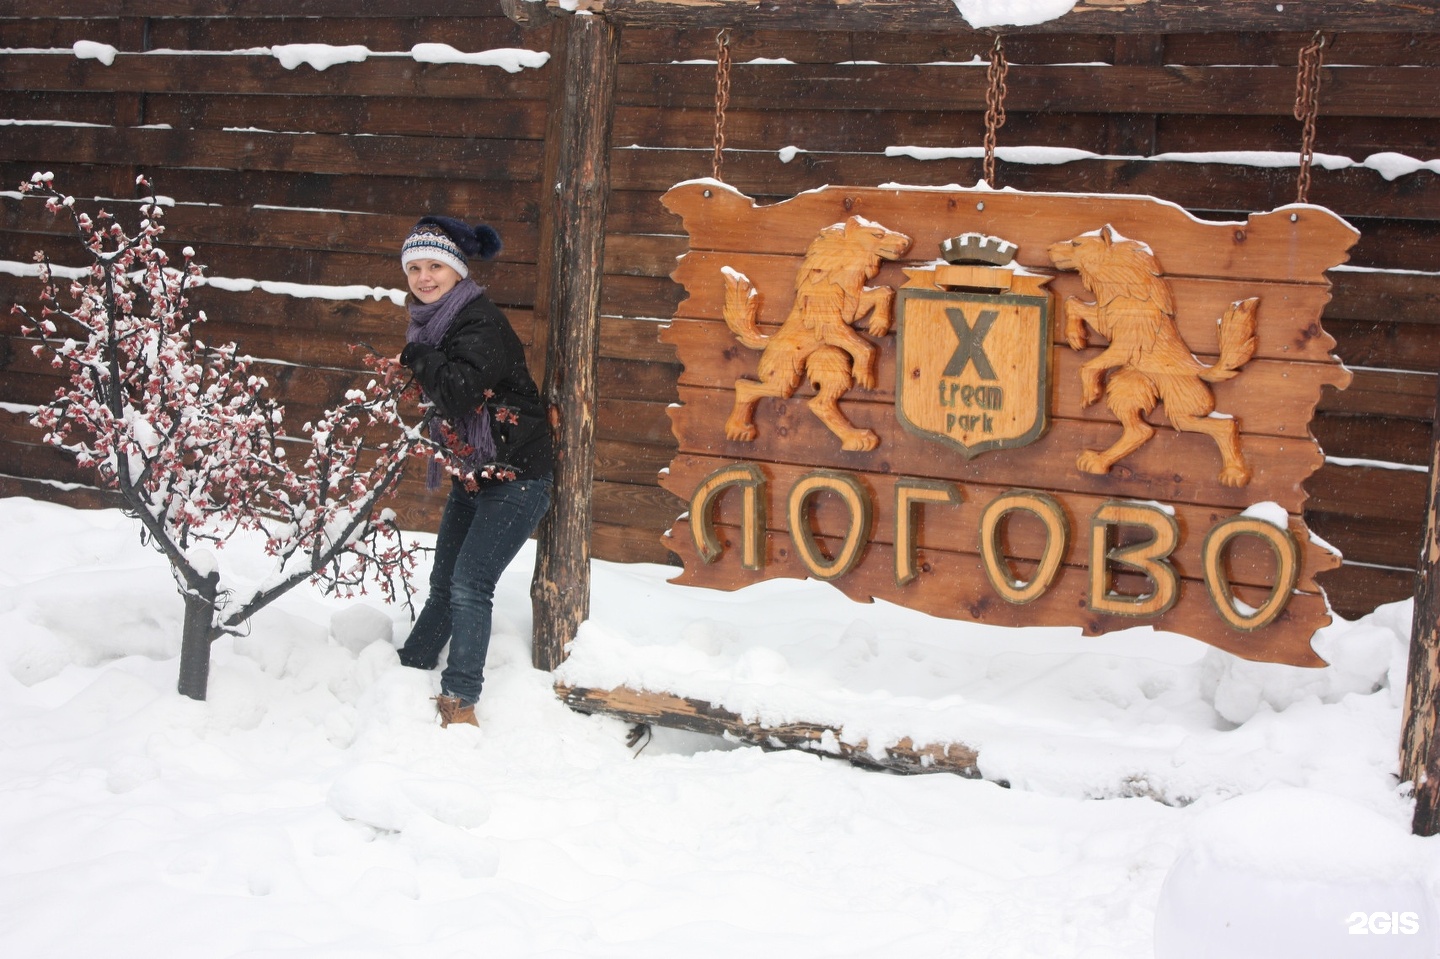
pixel 429 322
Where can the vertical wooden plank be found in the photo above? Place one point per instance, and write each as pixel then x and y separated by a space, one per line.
pixel 560 592
pixel 1419 744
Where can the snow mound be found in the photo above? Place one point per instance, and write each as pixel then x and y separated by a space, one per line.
pixel 1297 874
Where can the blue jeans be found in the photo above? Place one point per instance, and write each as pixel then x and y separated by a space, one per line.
pixel 480 533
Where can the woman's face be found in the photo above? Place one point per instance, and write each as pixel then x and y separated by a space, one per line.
pixel 430 279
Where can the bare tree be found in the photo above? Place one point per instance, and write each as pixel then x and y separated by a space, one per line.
pixel 182 430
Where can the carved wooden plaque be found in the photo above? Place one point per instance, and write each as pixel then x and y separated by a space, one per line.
pixel 973 351
pixel 1011 408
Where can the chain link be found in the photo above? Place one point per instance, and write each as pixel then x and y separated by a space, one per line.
pixel 994 104
pixel 1307 109
pixel 722 99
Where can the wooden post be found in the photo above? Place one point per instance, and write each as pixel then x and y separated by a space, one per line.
pixel 1419 742
pixel 560 592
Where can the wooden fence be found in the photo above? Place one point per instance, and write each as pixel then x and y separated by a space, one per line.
pixel 311 177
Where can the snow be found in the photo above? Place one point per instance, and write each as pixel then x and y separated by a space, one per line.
pixel 1392 165
pixel 997 13
pixel 1261 849
pixel 89 50
pixel 1377 464
pixel 1273 159
pixel 509 59
pixel 1389 165
pixel 311 806
pixel 321 291
pixel 50 123
pixel 318 56
pixel 1269 512
pixel 304 290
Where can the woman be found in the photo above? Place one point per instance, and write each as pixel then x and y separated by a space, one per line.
pixel 471 366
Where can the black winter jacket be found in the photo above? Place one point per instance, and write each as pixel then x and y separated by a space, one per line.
pixel 480 362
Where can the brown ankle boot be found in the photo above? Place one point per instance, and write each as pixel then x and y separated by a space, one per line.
pixel 453 709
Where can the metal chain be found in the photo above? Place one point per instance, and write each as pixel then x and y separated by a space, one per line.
pixel 994 104
pixel 1307 108
pixel 722 98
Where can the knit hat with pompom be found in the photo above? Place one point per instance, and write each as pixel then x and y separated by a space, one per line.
pixel 451 242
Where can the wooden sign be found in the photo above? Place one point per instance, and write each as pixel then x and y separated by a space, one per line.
pixel 1011 408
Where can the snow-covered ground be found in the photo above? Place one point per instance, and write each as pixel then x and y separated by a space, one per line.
pixel 312 807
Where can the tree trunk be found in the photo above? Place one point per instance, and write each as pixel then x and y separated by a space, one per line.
pixel 560 593
pixel 195 640
pixel 1419 744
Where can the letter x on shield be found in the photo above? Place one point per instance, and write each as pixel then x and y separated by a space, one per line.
pixel 971 348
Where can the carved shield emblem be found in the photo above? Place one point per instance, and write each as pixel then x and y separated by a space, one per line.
pixel 974 356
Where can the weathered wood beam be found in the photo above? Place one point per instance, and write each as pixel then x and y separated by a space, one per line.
pixel 697 715
pixel 1088 16
pixel 243 8
pixel 1420 726
pixel 560 592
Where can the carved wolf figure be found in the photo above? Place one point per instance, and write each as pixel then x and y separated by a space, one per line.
pixel 817 339
pixel 1147 360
